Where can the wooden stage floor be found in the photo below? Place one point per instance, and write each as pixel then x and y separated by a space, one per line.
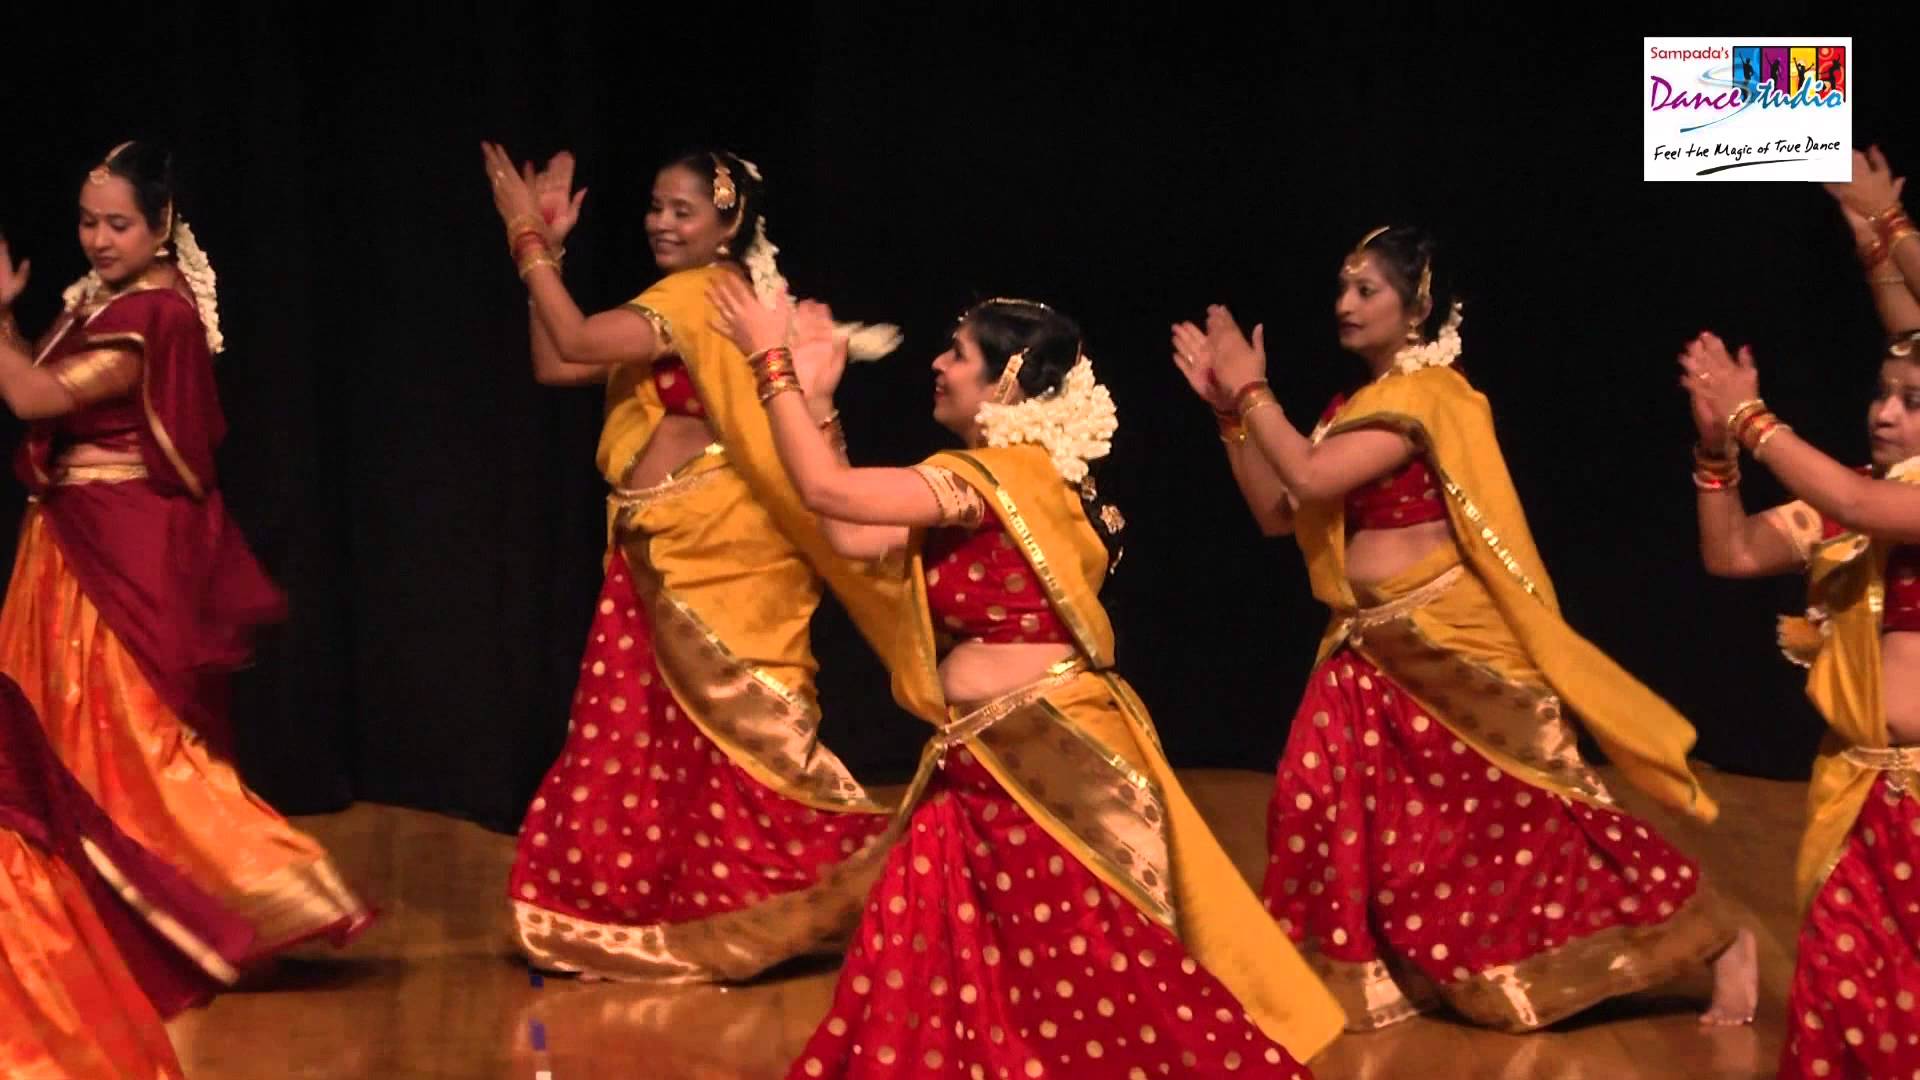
pixel 433 991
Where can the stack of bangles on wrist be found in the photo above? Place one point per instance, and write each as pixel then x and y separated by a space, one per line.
pixel 1252 396
pixel 1753 425
pixel 773 370
pixel 527 240
pixel 1892 227
pixel 1716 471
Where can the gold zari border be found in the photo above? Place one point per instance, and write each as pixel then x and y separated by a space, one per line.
pixel 206 956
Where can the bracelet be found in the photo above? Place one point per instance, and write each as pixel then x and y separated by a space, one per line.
pixel 1246 391
pixel 1709 482
pixel 534 262
pixel 1760 444
pixel 1256 403
pixel 773 370
pixel 1741 413
pixel 525 221
pixel 836 435
pixel 1891 277
pixel 1753 431
pixel 1232 431
pixel 1712 464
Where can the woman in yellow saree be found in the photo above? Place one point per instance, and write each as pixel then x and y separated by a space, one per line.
pixel 1052 903
pixel 1854 1006
pixel 692 799
pixel 1434 835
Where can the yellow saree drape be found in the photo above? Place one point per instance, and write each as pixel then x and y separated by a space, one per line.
pixel 1846 580
pixel 1082 757
pixel 731 573
pixel 1489 641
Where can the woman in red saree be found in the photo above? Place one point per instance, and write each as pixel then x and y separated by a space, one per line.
pixel 99 939
pixel 1853 1011
pixel 133 593
pixel 1434 834
pixel 692 798
pixel 1051 903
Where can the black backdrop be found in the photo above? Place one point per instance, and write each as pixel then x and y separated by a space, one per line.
pixel 436 516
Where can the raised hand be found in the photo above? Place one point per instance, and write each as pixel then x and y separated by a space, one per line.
pixel 1193 355
pixel 1874 187
pixel 739 313
pixel 559 203
pixel 512 188
pixel 1236 360
pixel 1719 382
pixel 13 279
pixel 819 352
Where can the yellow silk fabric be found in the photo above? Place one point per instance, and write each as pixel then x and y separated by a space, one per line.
pixel 1846 576
pixel 728 394
pixel 1451 424
pixel 1214 913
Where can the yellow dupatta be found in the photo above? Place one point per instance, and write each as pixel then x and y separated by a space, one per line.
pixel 1093 733
pixel 725 384
pixel 1846 577
pixel 1451 424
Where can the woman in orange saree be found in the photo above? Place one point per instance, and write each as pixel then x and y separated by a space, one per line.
pixel 692 796
pixel 1434 835
pixel 133 593
pixel 1050 901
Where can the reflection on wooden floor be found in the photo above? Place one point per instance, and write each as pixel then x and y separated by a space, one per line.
pixel 433 990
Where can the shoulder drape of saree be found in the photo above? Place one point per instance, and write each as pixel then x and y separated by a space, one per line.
pixel 725 385
pixel 730 602
pixel 1450 423
pixel 1081 756
pixel 1846 577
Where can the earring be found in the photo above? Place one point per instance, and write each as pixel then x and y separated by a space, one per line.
pixel 723 250
pixel 161 252
pixel 1413 333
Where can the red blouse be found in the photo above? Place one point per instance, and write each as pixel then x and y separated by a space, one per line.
pixel 1408 496
pixel 980 588
pixel 676 388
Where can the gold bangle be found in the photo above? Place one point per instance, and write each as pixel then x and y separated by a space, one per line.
pixel 1766 437
pixel 1893 277
pixel 1254 405
pixel 529 265
pixel 528 221
pixel 1740 413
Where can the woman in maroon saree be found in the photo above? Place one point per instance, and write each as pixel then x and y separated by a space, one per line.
pixel 99 939
pixel 133 593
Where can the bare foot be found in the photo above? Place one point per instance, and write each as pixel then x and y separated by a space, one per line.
pixel 1736 983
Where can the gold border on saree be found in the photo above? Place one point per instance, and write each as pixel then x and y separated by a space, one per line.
pixel 116 472
pixel 1901 764
pixel 678 482
pixel 977 720
pixel 1367 618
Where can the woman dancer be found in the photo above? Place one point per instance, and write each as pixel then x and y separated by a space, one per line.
pixel 1851 1012
pixel 133 592
pixel 692 797
pixel 1052 904
pixel 99 940
pixel 1434 833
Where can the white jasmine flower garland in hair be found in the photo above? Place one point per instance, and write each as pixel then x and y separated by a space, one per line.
pixel 1442 351
pixel 1074 424
pixel 194 268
